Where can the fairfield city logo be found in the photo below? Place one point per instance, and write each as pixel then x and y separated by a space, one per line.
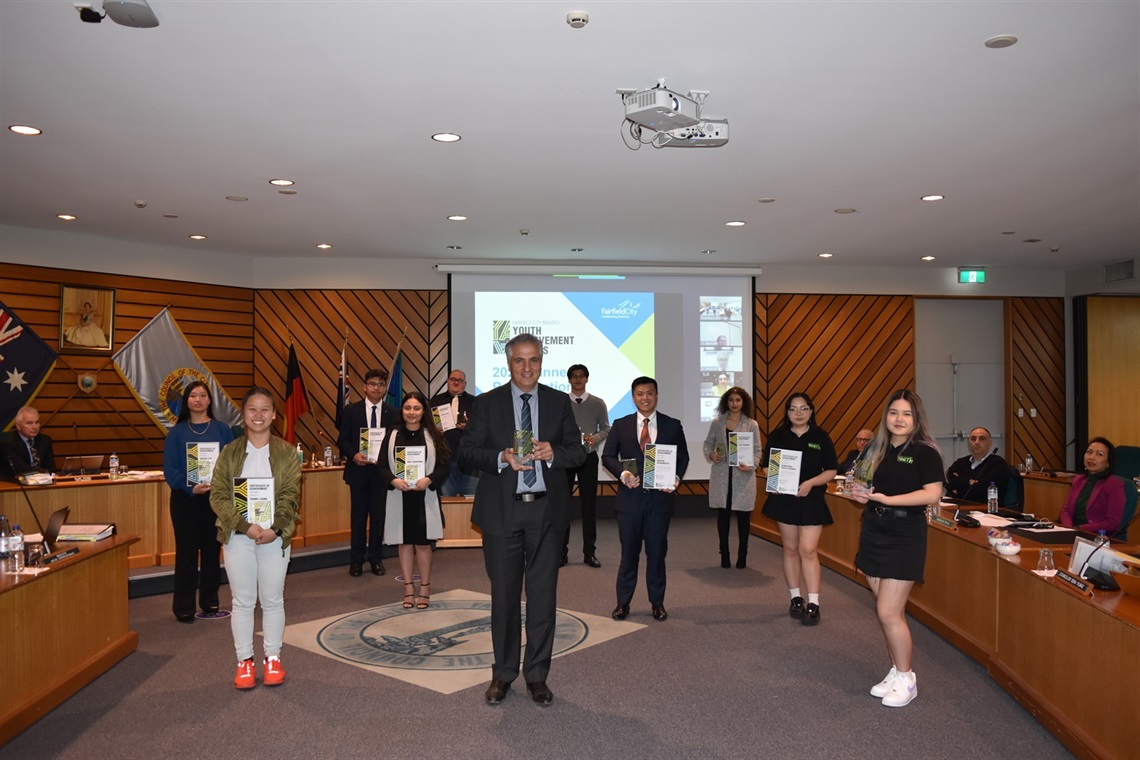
pixel 624 310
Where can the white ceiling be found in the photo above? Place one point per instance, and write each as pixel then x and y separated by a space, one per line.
pixel 866 105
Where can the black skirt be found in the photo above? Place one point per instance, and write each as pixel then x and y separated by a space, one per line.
pixel 794 510
pixel 891 546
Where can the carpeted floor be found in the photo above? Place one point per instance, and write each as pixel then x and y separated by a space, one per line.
pixel 728 675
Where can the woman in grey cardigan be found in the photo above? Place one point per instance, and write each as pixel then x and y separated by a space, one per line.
pixel 732 489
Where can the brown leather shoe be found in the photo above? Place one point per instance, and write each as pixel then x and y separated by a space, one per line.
pixel 540 693
pixel 497 691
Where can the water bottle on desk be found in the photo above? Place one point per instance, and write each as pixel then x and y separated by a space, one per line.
pixel 328 455
pixel 5 533
pixel 992 498
pixel 1029 463
pixel 300 455
pixel 16 550
pixel 113 465
pixel 1101 538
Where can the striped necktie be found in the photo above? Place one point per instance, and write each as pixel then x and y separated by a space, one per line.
pixel 529 476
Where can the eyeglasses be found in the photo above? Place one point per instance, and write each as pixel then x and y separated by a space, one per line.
pixel 456 380
pixel 862 440
pixel 799 408
pixel 374 385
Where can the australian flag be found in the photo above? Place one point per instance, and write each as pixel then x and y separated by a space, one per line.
pixel 25 364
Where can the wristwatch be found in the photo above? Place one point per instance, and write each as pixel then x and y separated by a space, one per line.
pixel 277 531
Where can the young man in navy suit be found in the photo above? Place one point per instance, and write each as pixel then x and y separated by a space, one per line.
pixel 522 507
pixel 368 493
pixel 643 514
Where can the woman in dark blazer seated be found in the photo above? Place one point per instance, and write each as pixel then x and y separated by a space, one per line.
pixel 1096 499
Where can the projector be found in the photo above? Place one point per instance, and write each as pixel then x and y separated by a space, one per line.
pixel 661 109
pixel 136 13
pixel 709 133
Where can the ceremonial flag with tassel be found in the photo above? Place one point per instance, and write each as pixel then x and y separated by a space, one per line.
pixel 296 402
pixel 342 385
pixel 25 363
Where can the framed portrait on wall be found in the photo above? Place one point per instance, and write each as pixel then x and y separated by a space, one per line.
pixel 86 319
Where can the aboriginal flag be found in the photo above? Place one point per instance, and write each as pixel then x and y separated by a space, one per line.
pixel 296 402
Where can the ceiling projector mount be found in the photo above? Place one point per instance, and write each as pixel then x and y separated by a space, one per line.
pixel 663 118
pixel 135 13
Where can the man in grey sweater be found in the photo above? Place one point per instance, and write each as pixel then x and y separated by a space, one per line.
pixel 593 420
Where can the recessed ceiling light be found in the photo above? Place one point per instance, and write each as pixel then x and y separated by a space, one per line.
pixel 236 198
pixel 287 192
pixel 767 200
pixel 928 258
pixel 1001 41
pixel 933 197
pixel 446 137
pixel 1009 232
pixel 170 216
pixel 577 250
pixel 1031 240
pixel 709 251
pixel 66 217
pixel 846 211
pixel 282 182
pixel 457 218
pixel 324 246
pixel 734 224
pixel 455 248
pixel 826 255
pixel 197 237
pixel 25 130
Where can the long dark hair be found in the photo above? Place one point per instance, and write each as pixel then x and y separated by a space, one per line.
pixel 787 423
pixel 745 408
pixel 184 410
pixel 427 422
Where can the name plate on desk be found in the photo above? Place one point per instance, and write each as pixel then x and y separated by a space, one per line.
pixel 1081 586
pixel 944 522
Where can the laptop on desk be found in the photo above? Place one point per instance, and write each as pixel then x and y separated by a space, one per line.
pixel 90 464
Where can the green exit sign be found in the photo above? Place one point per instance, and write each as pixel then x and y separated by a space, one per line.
pixel 969 276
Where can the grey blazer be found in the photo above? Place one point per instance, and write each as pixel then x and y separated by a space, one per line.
pixel 743 483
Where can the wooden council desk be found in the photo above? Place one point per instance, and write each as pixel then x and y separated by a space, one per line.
pixel 61 629
pixel 1026 630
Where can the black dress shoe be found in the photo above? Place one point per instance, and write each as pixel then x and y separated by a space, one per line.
pixel 497 691
pixel 811 615
pixel 591 560
pixel 797 608
pixel 659 612
pixel 621 612
pixel 355 570
pixel 565 560
pixel 377 568
pixel 184 617
pixel 540 693
pixel 741 562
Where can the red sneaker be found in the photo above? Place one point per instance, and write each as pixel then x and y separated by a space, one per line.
pixel 274 672
pixel 245 678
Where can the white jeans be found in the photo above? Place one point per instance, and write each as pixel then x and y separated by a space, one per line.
pixel 256 572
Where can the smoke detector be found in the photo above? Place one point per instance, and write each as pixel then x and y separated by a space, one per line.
pixel 577 19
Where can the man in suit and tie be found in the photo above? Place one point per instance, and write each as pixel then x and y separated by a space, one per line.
pixel 643 515
pixel 460 401
pixel 25 449
pixel 368 493
pixel 522 507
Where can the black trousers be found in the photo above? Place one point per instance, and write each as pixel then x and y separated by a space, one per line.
pixel 366 521
pixel 587 475
pixel 197 553
pixel 743 529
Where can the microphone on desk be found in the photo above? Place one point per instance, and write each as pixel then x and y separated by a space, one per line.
pixel 78 452
pixel 35 516
pixel 1094 576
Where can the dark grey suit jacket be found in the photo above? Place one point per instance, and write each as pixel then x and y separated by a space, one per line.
pixel 491 428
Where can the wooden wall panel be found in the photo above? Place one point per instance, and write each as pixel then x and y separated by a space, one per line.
pixel 217 320
pixel 1036 368
pixel 848 352
pixel 1113 349
pixel 374 320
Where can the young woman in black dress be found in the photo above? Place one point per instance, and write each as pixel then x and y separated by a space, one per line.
pixel 413 517
pixel 801 517
pixel 900 474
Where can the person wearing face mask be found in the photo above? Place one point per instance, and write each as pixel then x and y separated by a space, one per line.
pixel 414 519
pixel 732 490
pixel 1095 501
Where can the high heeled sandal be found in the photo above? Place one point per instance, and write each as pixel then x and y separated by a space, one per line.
pixel 407 597
pixel 423 600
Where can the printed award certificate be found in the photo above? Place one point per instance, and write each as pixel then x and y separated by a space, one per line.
pixel 784 471
pixel 370 441
pixel 411 462
pixel 741 449
pixel 253 497
pixel 444 419
pixel 200 461
pixel 660 466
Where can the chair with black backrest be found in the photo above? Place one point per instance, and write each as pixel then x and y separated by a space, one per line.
pixel 1127 461
pixel 1129 507
pixel 1015 491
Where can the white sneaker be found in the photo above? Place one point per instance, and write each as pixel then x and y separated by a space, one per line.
pixel 882 687
pixel 904 689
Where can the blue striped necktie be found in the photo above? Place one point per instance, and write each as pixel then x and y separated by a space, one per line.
pixel 529 476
